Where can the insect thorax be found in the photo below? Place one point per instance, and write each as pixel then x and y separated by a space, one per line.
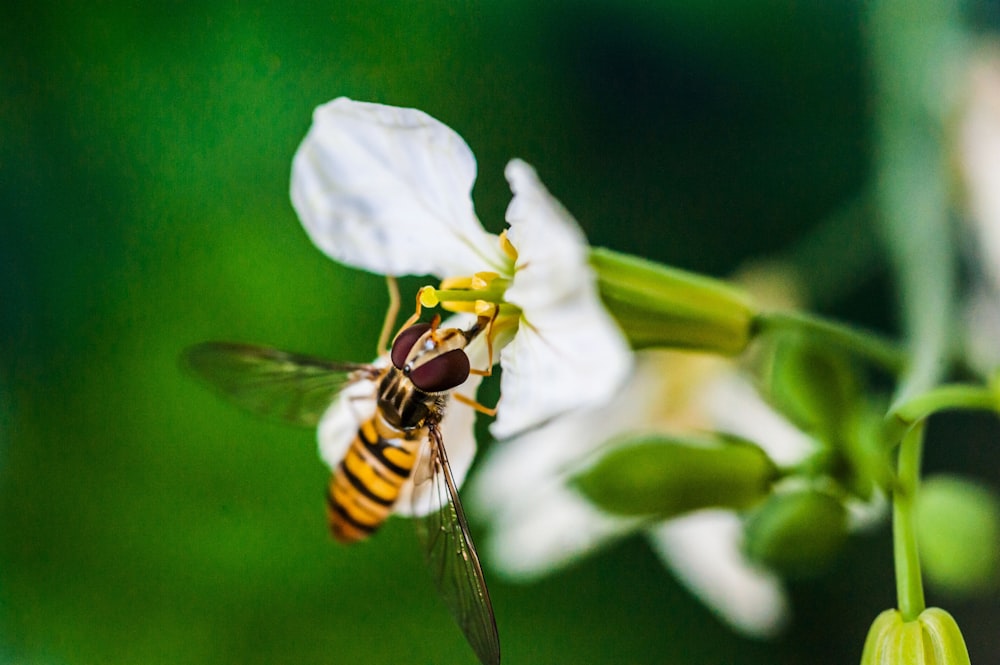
pixel 406 407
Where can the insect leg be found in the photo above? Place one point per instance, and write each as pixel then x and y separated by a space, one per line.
pixel 390 316
pixel 416 314
pixel 468 401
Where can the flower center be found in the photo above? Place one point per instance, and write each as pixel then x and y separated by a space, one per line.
pixel 481 293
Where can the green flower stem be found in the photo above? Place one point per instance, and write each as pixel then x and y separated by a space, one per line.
pixel 944 397
pixel 909 585
pixel 657 305
pixel 913 43
pixel 882 352
pixel 905 414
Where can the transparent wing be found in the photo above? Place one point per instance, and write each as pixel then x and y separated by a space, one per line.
pixel 450 554
pixel 292 387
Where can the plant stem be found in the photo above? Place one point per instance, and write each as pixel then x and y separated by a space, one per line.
pixel 912 45
pixel 909 585
pixel 953 396
pixel 858 342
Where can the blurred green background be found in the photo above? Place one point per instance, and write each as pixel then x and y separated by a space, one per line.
pixel 144 160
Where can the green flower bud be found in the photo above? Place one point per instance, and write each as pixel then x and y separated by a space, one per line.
pixel 663 477
pixel 660 306
pixel 933 639
pixel 813 384
pixel 958 533
pixel 796 533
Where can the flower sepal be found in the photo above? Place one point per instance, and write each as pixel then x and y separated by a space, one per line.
pixel 796 533
pixel 661 476
pixel 933 638
pixel 659 306
pixel 813 384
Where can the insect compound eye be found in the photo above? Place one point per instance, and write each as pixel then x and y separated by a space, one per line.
pixel 445 372
pixel 405 341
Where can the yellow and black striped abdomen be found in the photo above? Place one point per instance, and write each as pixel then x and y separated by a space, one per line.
pixel 365 485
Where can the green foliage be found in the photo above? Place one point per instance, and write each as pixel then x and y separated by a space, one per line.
pixel 958 533
pixel 814 385
pixel 824 389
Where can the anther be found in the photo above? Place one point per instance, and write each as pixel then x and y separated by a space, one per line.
pixel 482 280
pixel 507 247
pixel 484 308
pixel 428 297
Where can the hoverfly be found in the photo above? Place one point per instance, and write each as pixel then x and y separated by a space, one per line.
pixel 399 441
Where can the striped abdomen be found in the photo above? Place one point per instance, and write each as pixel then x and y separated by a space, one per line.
pixel 365 485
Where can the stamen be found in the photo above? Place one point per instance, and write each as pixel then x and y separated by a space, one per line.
pixel 460 306
pixel 482 280
pixel 456 283
pixel 507 247
pixel 480 294
pixel 428 297
pixel 483 308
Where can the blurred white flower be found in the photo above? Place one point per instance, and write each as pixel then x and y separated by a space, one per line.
pixel 978 152
pixel 388 190
pixel 540 524
pixel 704 551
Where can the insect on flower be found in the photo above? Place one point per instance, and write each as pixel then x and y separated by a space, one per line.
pixel 401 441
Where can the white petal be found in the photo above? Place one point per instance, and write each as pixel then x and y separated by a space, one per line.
pixel 388 189
pixel 982 327
pixel 339 425
pixel 979 157
pixel 703 549
pixel 510 472
pixel 735 407
pixel 568 352
pixel 866 515
pixel 538 523
pixel 552 252
pixel 560 529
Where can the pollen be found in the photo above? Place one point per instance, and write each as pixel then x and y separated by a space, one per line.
pixel 481 293
pixel 449 283
pixel 460 306
pixel 483 308
pixel 428 297
pixel 507 247
pixel 482 280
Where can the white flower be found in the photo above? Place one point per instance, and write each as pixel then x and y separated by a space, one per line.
pixel 389 190
pixel 978 150
pixel 979 156
pixel 703 550
pixel 540 524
